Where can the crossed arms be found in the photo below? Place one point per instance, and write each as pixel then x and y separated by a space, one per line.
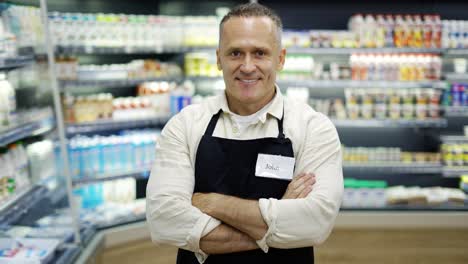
pixel 243 223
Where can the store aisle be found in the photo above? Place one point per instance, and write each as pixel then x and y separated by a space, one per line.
pixel 344 246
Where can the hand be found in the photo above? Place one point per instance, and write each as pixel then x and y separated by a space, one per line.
pixel 203 201
pixel 300 186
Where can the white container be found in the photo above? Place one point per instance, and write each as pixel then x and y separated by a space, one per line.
pixel 459 65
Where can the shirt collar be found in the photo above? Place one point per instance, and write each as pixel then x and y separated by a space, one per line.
pixel 275 109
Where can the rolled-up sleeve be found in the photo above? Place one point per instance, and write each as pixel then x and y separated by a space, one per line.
pixel 170 215
pixel 306 222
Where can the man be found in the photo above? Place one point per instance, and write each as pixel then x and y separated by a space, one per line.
pixel 232 181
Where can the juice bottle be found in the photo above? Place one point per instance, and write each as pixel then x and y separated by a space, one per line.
pixel 408 31
pixel 421 104
pixel 389 31
pixel 366 104
pixel 399 37
pixel 408 104
pixel 427 31
pixel 370 31
pixel 434 103
pixel 394 104
pixel 418 32
pixel 436 31
pixel 380 28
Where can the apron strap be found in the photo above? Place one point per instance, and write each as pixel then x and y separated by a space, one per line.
pixel 280 127
pixel 211 126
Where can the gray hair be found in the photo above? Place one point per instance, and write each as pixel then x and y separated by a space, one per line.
pixel 254 10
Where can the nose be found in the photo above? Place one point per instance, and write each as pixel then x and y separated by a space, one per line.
pixel 248 65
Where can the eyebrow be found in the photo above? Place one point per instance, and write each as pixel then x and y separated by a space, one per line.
pixel 229 50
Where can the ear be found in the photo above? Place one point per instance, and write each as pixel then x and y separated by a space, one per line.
pixel 218 61
pixel 282 59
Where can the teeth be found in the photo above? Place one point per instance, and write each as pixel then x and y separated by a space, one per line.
pixel 249 81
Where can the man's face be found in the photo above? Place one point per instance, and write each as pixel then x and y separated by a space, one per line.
pixel 249 56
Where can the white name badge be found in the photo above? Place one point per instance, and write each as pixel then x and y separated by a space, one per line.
pixel 275 166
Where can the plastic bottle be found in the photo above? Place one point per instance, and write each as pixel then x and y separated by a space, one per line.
pixel 399 36
pixel 418 32
pixel 370 31
pixel 389 31
pixel 7 101
pixel 436 31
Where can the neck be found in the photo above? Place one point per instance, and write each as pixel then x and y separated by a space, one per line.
pixel 245 109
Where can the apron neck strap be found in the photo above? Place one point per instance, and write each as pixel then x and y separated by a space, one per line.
pixel 280 126
pixel 211 126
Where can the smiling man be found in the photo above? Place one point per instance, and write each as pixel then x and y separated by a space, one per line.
pixel 248 176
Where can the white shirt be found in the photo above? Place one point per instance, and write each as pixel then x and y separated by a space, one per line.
pixel 291 223
pixel 242 122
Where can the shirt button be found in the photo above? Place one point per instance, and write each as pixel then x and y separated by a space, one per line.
pixel 235 130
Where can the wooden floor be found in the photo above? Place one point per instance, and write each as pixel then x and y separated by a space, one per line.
pixel 343 246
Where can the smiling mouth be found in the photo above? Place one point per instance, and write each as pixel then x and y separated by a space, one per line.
pixel 247 81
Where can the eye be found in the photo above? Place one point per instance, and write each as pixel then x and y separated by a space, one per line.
pixel 235 53
pixel 260 53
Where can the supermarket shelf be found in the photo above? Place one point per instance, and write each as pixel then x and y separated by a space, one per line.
pixel 137 173
pixel 80 49
pixel 454 139
pixel 318 84
pixel 402 219
pixel 21 203
pixel 451 172
pixel 66 255
pixel 204 78
pixel 123 221
pixel 410 207
pixel 116 83
pixel 385 123
pixel 456 51
pixel 108 125
pixel 112 237
pixel 87 233
pixel 14 63
pixel 456 76
pixel 356 84
pixel 347 51
pixel 414 168
pixel 10 201
pixel 456 111
pixel 25 129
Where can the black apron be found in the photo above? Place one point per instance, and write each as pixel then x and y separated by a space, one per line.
pixel 227 166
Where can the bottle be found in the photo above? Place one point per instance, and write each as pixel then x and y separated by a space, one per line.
pixel 380 34
pixel 436 31
pixel 418 32
pixel 399 37
pixel 427 31
pixel 389 31
pixel 409 31
pixel 370 31
pixel 7 102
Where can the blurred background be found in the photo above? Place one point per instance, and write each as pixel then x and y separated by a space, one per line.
pixel 87 86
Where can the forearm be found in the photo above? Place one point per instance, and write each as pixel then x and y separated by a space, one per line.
pixel 241 214
pixel 225 239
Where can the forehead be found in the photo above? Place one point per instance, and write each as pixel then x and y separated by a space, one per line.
pixel 241 31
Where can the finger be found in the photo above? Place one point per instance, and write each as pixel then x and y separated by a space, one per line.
pixel 305 192
pixel 301 181
pixel 297 191
pixel 311 181
pixel 300 188
pixel 299 176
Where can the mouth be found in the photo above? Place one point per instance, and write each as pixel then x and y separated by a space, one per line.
pixel 248 82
